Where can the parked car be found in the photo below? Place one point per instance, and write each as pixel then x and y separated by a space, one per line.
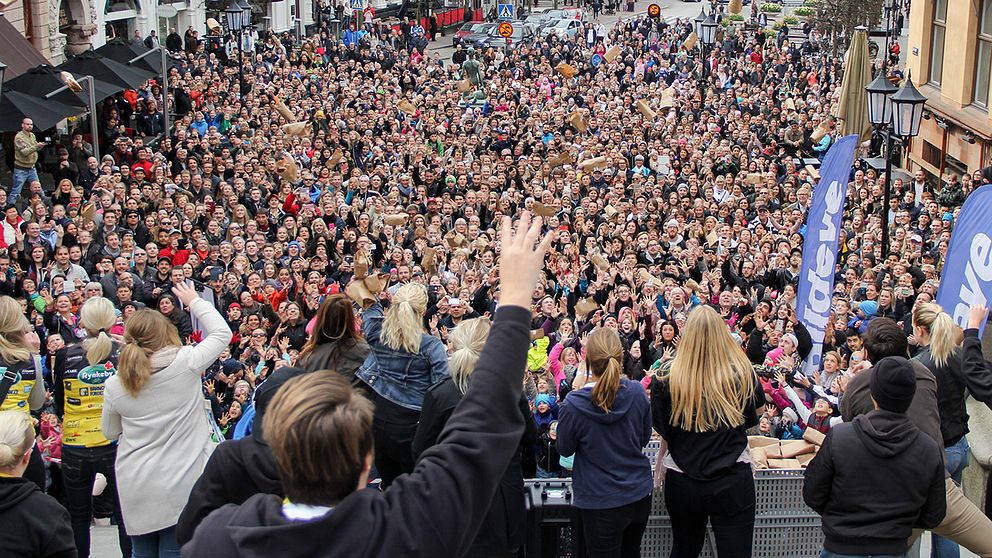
pixel 478 36
pixel 522 35
pixel 566 13
pixel 563 28
pixel 538 22
pixel 466 30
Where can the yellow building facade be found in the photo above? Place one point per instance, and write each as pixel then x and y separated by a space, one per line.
pixel 950 58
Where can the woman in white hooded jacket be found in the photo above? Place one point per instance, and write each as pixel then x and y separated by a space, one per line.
pixel 155 408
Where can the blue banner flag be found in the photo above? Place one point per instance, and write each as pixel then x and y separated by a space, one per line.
pixel 967 275
pixel 816 278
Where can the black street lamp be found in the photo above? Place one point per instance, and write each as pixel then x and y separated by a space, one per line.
pixel 3 70
pixel 238 17
pixel 706 31
pixel 897 114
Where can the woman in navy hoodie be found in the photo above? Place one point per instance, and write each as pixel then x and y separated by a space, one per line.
pixel 605 424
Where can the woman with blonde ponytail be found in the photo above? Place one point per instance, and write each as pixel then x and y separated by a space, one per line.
pixel 605 425
pixel 702 408
pixel 504 529
pixel 959 368
pixel 20 370
pixel 81 372
pixel 34 524
pixel 155 409
pixel 403 363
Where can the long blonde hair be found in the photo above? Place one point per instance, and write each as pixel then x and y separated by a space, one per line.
pixel 16 437
pixel 944 333
pixel 604 359
pixel 97 316
pixel 467 340
pixel 711 380
pixel 13 324
pixel 145 332
pixel 403 325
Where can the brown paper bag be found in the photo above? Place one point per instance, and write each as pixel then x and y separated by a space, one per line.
pixel 284 111
pixel 360 294
pixel 761 441
pixel 377 282
pixel 790 104
pixel 543 210
pixel 666 103
pixel 464 86
pixel 287 169
pixel 298 129
pixel 645 109
pixel 813 172
pixel 797 447
pixel 561 159
pixel 600 262
pixel 814 436
pixel 536 334
pixel 407 107
pixel 396 219
pixel 566 70
pixel 759 457
pixel 784 464
pixel 645 275
pixel 335 158
pixel 427 262
pixel 590 165
pixel 822 129
pixel 735 6
pixel 690 41
pixel 754 178
pixel 578 121
pixel 585 306
pixel 774 452
pixel 610 211
pixel 612 54
pixel 88 211
pixel 805 459
pixel 455 240
pixel 212 24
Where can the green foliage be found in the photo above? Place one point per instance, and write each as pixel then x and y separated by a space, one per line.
pixel 771 8
pixel 804 11
pixel 791 20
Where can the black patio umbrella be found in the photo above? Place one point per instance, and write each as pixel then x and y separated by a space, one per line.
pixel 103 69
pixel 123 51
pixel 27 95
pixel 46 113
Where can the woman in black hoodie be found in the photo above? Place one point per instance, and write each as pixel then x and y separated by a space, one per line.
pixel 34 524
pixel 504 528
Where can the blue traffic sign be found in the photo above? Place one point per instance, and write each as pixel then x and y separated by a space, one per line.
pixel 596 60
pixel 504 11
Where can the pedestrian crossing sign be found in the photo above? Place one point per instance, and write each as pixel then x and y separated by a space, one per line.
pixel 504 11
pixel 357 4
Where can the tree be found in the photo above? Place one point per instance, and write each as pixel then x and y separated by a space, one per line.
pixel 838 18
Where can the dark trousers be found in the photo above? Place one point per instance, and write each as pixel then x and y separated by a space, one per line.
pixel 394 428
pixel 615 532
pixel 79 468
pixel 728 504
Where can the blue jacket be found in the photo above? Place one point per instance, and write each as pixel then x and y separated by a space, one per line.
pixel 610 469
pixel 399 376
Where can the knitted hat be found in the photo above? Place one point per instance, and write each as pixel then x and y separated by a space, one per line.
pixel 869 307
pixel 543 398
pixel 893 384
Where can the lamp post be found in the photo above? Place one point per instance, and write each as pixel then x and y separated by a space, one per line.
pixel 897 113
pixel 707 36
pixel 235 14
pixel 3 70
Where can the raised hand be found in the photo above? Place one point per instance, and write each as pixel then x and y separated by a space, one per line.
pixel 521 259
pixel 185 293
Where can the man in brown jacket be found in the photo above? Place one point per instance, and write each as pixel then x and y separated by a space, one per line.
pixel 26 148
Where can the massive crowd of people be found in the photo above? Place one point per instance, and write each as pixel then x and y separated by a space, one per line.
pixel 339 208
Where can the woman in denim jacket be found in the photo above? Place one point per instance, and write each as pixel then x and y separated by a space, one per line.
pixel 403 363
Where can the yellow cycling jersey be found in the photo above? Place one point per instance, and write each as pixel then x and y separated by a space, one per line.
pixel 25 378
pixel 80 386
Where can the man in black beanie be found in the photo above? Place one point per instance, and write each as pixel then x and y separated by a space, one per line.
pixel 878 477
pixel 238 469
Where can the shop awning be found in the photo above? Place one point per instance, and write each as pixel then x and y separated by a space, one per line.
pixel 17 52
pixel 111 73
pixel 30 95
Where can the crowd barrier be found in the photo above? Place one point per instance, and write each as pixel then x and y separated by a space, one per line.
pixel 784 525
